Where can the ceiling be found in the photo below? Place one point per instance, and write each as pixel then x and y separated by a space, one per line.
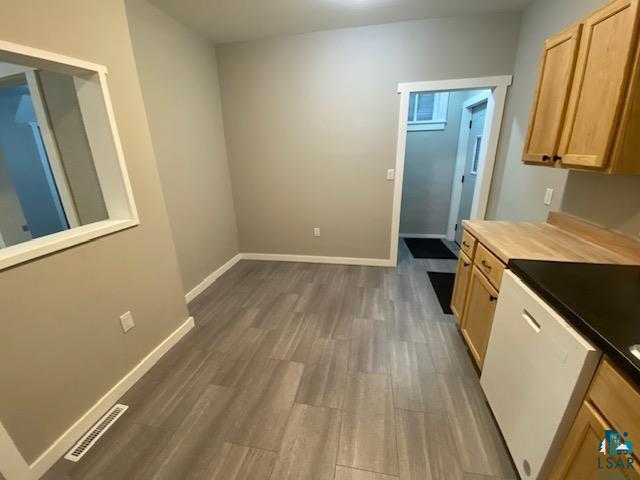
pixel 236 20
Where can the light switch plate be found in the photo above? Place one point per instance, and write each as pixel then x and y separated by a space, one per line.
pixel 126 320
pixel 316 232
pixel 391 174
pixel 548 196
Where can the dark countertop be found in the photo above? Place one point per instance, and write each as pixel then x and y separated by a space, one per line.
pixel 602 302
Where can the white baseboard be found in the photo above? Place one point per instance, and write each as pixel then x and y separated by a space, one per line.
pixel 208 281
pixel 423 235
pixel 71 436
pixel 278 257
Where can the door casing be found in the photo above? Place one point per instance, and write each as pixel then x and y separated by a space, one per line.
pixel 495 108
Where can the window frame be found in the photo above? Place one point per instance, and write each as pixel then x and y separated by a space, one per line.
pixel 438 120
pixel 475 159
pixel 93 91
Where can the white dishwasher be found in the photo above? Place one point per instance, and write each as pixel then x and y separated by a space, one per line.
pixel 535 375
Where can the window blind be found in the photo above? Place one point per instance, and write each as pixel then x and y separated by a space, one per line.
pixel 421 107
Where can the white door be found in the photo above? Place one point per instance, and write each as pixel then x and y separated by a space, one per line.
pixel 476 127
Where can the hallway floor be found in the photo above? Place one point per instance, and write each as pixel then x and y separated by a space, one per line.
pixel 307 371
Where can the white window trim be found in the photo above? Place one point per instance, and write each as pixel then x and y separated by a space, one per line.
pixel 439 120
pixel 113 176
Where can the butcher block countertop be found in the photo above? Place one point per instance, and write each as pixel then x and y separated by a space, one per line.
pixel 562 238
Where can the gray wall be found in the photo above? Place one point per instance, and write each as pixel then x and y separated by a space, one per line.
pixel 518 190
pixel 179 80
pixel 428 173
pixel 11 216
pixel 67 125
pixel 311 125
pixel 60 331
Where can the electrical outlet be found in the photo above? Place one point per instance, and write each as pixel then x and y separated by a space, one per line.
pixel 316 232
pixel 391 174
pixel 548 196
pixel 126 320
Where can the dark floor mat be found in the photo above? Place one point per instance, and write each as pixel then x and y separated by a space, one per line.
pixel 429 248
pixel 443 286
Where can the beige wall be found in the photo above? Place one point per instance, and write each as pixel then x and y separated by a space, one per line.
pixel 428 173
pixel 179 80
pixel 518 190
pixel 61 345
pixel 311 125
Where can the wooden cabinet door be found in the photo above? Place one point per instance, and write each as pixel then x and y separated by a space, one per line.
pixel 578 458
pixel 552 94
pixel 478 315
pixel 463 274
pixel 617 398
pixel 604 63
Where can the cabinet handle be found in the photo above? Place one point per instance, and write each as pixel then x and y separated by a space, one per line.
pixel 486 265
pixel 546 158
pixel 557 158
pixel 465 244
pixel 492 298
pixel 466 264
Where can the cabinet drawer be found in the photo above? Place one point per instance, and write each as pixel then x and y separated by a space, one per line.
pixel 489 264
pixel 616 398
pixel 468 244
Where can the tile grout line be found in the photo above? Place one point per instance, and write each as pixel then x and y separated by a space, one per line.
pixel 368 471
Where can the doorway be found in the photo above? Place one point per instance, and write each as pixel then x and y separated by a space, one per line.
pixel 475 157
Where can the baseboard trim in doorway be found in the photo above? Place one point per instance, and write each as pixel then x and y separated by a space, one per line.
pixel 423 235
pixel 211 278
pixel 278 257
pixel 43 463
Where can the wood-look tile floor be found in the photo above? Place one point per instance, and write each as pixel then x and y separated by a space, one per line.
pixel 306 371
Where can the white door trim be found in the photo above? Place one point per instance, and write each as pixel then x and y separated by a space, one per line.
pixel 461 158
pixel 495 109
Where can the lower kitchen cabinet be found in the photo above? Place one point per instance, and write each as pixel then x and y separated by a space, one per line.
pixel 612 403
pixel 478 314
pixel 463 275
pixel 579 458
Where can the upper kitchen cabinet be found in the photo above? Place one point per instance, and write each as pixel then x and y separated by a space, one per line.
pixel 550 104
pixel 587 106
